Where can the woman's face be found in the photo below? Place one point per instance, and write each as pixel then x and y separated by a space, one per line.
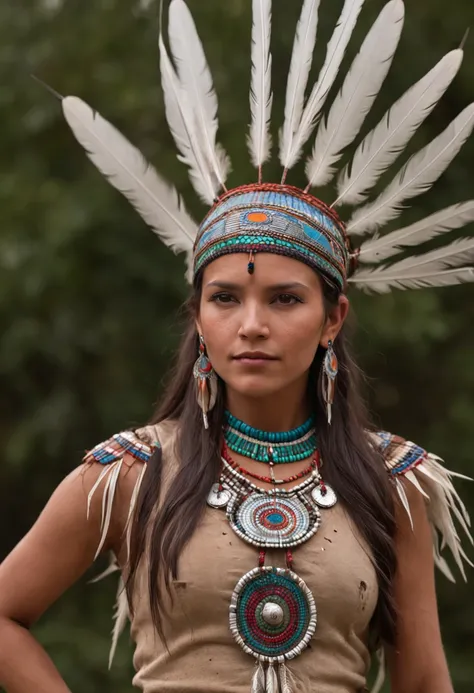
pixel 262 330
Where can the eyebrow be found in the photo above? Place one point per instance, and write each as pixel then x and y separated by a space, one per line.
pixel 283 286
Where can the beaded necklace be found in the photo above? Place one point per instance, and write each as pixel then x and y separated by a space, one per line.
pixel 262 446
pixel 272 613
pixel 269 479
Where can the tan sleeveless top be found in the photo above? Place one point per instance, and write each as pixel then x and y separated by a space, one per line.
pixel 203 656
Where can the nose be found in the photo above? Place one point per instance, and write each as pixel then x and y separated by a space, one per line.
pixel 254 325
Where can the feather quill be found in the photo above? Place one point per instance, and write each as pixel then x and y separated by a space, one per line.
pixel 453 217
pixel 381 147
pixel 383 280
pixel 334 55
pixel 181 123
pixel 301 59
pixel 261 98
pixel 196 79
pixel 358 93
pixel 126 169
pixel 416 177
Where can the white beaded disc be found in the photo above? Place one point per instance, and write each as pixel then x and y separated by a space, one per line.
pixel 216 498
pixel 324 500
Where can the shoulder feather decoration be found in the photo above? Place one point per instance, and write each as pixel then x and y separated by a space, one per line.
pixel 127 170
pixel 453 217
pixel 261 98
pixel 416 177
pixel 301 59
pixel 358 93
pixel 196 80
pixel 329 71
pixel 381 147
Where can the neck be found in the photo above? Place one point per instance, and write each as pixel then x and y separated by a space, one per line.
pixel 281 411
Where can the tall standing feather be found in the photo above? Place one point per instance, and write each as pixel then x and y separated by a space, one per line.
pixel 447 219
pixel 386 141
pixel 126 169
pixel 181 123
pixel 196 80
pixel 383 280
pixel 261 98
pixel 358 93
pixel 301 59
pixel 334 55
pixel 417 176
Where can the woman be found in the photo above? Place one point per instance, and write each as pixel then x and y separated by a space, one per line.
pixel 269 539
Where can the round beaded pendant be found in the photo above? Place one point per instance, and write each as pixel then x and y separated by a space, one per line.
pixel 272 614
pixel 278 522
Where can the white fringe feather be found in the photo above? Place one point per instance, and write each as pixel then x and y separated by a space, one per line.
pixel 416 177
pixel 453 217
pixel 334 55
pixel 456 253
pixel 196 80
pixel 381 147
pixel 358 93
pixel 127 170
pixel 301 59
pixel 261 98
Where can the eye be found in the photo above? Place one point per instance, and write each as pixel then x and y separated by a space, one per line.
pixel 222 297
pixel 287 300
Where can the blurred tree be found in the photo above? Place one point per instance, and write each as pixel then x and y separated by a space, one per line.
pixel 89 299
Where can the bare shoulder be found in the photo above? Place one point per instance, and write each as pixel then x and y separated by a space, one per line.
pixel 86 515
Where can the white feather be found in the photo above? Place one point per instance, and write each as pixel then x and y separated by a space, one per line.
pixel 416 177
pixel 121 616
pixel 181 123
pixel 334 55
pixel 261 98
pixel 301 59
pixel 126 169
pixel 458 252
pixel 383 280
pixel 381 146
pixel 358 93
pixel 196 79
pixel 441 222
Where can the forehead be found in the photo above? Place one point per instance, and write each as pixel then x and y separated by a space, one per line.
pixel 270 269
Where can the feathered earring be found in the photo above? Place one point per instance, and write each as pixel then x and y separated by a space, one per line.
pixel 206 382
pixel 330 370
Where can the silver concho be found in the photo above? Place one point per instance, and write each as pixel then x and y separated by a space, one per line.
pixel 216 498
pixel 324 500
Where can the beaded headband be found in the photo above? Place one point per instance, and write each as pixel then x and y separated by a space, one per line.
pixel 279 218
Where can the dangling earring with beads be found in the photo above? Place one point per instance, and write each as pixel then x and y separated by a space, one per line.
pixel 330 369
pixel 206 382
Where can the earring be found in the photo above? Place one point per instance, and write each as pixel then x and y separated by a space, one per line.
pixel 206 382
pixel 330 369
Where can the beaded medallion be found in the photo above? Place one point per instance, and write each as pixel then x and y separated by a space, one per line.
pixel 273 522
pixel 272 614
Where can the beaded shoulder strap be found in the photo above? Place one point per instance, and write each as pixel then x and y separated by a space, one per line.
pixel 137 446
pixel 406 460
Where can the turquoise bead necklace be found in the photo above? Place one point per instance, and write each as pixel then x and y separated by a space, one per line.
pixel 270 447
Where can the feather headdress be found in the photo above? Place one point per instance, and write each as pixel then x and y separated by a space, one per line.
pixel 191 111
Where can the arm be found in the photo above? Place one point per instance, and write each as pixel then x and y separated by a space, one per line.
pixel 52 556
pixel 418 663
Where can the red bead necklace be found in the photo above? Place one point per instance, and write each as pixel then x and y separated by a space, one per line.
pixel 270 479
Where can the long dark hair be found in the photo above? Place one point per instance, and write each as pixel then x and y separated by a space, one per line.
pixel 351 465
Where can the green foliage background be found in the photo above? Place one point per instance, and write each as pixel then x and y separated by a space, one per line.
pixel 89 298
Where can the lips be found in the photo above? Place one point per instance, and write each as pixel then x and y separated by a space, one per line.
pixel 254 356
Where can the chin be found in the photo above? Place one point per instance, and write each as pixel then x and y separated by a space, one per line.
pixel 255 386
